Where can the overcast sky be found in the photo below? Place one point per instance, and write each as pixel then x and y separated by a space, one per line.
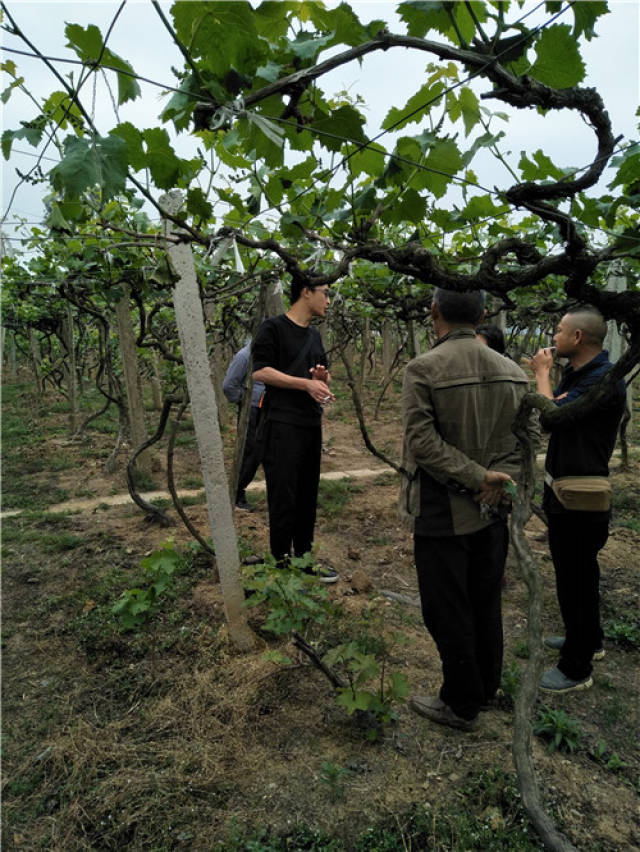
pixel 384 79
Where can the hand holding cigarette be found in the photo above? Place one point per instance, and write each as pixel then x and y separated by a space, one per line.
pixel 543 359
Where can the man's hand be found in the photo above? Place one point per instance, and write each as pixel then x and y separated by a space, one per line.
pixel 541 364
pixel 319 391
pixel 492 490
pixel 320 373
pixel 542 361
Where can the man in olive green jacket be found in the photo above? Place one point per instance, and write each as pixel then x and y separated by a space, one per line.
pixel 459 403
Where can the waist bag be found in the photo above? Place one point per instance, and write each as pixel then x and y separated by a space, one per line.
pixel 581 493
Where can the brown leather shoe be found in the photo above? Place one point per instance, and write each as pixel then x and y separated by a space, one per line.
pixel 432 707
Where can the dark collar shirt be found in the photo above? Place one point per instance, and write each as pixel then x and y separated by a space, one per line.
pixel 583 447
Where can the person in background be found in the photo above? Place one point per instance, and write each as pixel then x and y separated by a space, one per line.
pixel 233 388
pixel 579 448
pixel 288 356
pixel 493 337
pixel 459 402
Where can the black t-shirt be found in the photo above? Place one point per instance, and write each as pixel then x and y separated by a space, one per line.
pixel 278 344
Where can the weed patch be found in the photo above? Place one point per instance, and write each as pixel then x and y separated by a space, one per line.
pixel 560 731
pixel 334 495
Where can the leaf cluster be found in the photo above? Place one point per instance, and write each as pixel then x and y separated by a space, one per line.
pixel 135 606
pixel 294 598
pixel 561 732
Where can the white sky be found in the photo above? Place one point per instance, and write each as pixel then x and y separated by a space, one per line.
pixel 384 79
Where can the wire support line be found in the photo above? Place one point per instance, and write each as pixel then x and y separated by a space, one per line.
pixel 73 93
pixel 93 65
pixel 361 146
pixel 154 241
pixel 407 160
pixel 476 73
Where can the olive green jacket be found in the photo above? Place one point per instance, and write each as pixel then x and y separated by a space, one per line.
pixel 458 405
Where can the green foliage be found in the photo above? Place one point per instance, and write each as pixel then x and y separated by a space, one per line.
pixel 561 732
pixel 101 161
pixel 585 15
pixel 296 602
pixel 610 760
pixel 510 680
pixel 90 47
pixel 333 777
pixel 511 489
pixel 624 632
pixel 31 131
pixel 521 650
pixel 294 598
pixel 27 450
pixel 334 495
pixel 136 605
pixel 558 62
pixel 370 689
pixel 301 837
pixel 415 108
pixel 143 480
pixel 490 819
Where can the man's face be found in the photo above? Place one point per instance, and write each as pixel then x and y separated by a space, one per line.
pixel 565 338
pixel 319 301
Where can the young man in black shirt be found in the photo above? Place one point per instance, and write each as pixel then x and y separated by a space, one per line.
pixel 288 356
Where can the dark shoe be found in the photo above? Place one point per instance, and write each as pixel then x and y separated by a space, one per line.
pixel 556 643
pixel 556 681
pixel 323 573
pixel 245 505
pixel 432 707
pixel 494 702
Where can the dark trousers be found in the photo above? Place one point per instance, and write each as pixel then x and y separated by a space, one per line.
pixel 460 581
pixel 251 456
pixel 291 463
pixel 574 541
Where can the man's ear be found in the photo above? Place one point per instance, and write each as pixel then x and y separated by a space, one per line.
pixel 435 311
pixel 482 316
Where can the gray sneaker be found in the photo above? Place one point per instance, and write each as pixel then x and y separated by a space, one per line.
pixel 556 681
pixel 323 573
pixel 432 707
pixel 556 643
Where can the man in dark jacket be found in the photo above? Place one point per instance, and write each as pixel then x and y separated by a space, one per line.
pixel 580 448
pixel 459 402
pixel 289 358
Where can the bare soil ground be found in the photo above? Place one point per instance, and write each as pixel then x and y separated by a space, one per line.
pixel 167 738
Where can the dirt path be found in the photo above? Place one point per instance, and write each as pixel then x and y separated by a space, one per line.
pixel 88 504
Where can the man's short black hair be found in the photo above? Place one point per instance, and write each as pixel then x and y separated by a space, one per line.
pixel 494 336
pixel 459 308
pixel 295 291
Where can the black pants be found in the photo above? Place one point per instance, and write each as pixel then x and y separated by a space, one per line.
pixel 291 463
pixel 574 541
pixel 251 456
pixel 460 581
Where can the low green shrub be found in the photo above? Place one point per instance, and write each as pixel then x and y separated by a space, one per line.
pixel 561 732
